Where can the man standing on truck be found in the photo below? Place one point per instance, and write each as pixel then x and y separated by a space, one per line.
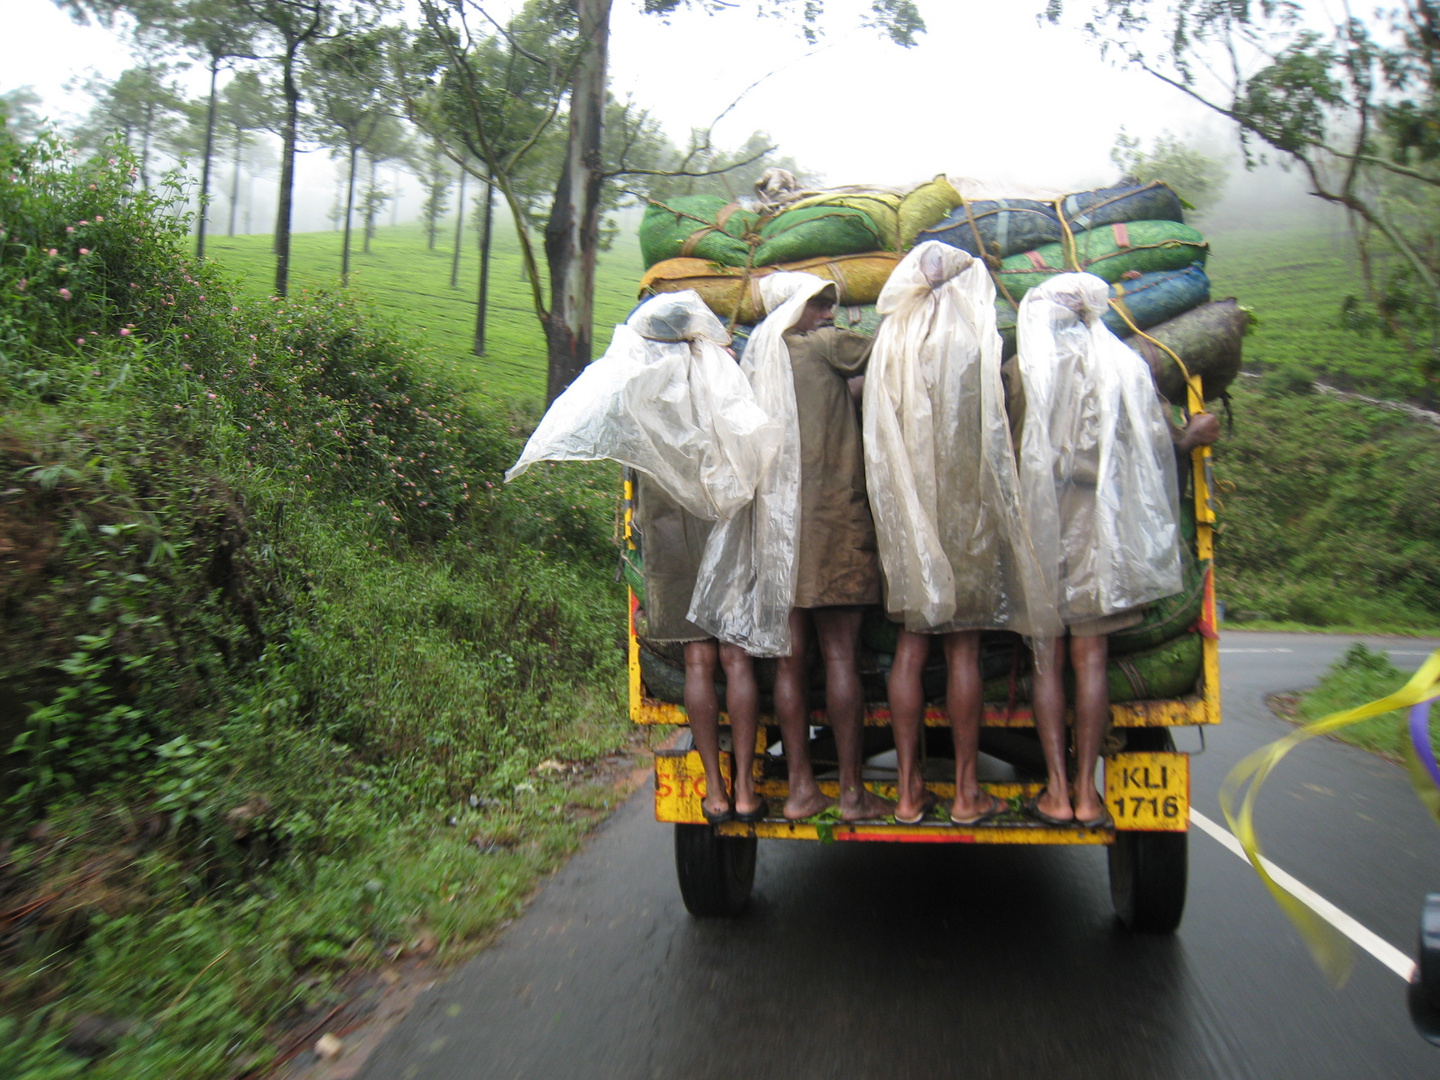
pixel 944 489
pixel 1098 472
pixel 667 400
pixel 808 542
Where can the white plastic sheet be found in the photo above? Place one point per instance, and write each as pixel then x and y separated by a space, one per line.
pixel 667 399
pixel 746 584
pixel 939 464
pixel 1097 464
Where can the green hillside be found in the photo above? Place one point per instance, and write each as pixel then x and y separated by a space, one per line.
pixel 1296 273
pixel 407 281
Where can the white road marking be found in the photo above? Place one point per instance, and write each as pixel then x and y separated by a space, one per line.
pixel 1225 650
pixel 1371 942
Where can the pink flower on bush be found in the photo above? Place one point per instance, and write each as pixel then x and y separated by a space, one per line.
pixel 64 294
pixel 79 341
pixel 124 332
pixel 84 251
pixel 53 252
pixel 98 219
pixel 69 228
pixel 22 283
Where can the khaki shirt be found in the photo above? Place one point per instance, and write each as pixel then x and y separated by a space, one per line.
pixel 838 562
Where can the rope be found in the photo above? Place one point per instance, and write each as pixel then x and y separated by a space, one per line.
pixel 992 262
pixel 1191 381
pixel 1067 239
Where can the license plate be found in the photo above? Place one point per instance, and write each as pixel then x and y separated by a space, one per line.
pixel 1149 792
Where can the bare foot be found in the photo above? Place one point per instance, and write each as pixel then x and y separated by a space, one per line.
pixel 804 804
pixel 715 807
pixel 864 805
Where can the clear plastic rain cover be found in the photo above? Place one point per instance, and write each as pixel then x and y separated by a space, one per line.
pixel 746 583
pixel 1097 464
pixel 939 463
pixel 669 400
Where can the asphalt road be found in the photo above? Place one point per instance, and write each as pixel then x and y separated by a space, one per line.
pixel 863 961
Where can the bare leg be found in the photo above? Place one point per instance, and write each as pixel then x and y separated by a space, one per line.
pixel 741 698
pixel 792 708
pixel 963 705
pixel 907 710
pixel 1092 710
pixel 838 629
pixel 702 706
pixel 1048 701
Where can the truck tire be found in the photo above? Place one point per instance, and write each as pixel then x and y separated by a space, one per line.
pixel 715 872
pixel 1149 871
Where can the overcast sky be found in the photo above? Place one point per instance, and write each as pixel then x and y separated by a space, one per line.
pixel 986 93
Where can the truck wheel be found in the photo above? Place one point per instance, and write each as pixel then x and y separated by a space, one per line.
pixel 716 872
pixel 1149 871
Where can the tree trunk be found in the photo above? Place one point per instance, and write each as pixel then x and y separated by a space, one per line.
pixel 205 171
pixel 349 210
pixel 484 300
pixel 573 231
pixel 145 146
pixel 287 175
pixel 370 208
pixel 235 180
pixel 459 233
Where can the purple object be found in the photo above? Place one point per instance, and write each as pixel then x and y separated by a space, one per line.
pixel 1420 736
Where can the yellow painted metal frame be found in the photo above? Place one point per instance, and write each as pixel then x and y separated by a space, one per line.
pixel 680 789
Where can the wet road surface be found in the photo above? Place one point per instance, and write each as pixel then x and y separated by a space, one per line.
pixel 909 961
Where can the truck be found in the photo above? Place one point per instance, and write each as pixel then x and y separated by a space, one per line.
pixel 1146 778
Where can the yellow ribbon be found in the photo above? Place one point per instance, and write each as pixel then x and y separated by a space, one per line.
pixel 1328 946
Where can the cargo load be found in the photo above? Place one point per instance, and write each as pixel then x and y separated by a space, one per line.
pixel 1208 339
pixel 699 226
pixel 1110 253
pixel 1003 227
pixel 733 293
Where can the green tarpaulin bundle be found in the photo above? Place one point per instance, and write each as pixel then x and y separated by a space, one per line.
pixel 1109 253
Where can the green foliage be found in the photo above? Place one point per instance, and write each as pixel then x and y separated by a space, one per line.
pixel 1301 276
pixel 411 286
pixel 1357 678
pixel 1332 519
pixel 1196 177
pixel 1350 107
pixel 274 624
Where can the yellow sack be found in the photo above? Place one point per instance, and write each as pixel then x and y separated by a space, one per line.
pixel 928 205
pixel 732 292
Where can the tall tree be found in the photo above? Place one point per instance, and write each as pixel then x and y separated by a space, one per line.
pixel 1352 105
pixel 142 105
pixel 244 110
pixel 345 81
pixel 1194 175
pixel 18 113
pixel 559 50
pixel 573 230
pixel 436 177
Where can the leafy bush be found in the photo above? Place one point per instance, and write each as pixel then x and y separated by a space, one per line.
pixel 1328 512
pixel 1360 676
pixel 268 621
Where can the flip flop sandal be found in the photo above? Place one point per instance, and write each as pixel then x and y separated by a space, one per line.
pixel 751 817
pixel 930 802
pixel 1104 821
pixel 1032 808
pixel 714 817
pixel 998 806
